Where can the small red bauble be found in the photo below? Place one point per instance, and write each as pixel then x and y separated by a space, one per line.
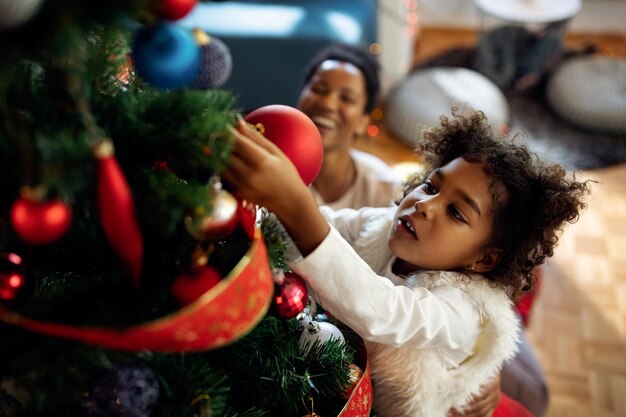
pixel 40 223
pixel 295 134
pixel 188 287
pixel 246 212
pixel 11 276
pixel 291 296
pixel 174 9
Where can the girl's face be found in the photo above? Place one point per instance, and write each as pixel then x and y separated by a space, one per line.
pixel 335 99
pixel 445 223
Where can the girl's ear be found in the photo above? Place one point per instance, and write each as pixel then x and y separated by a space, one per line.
pixel 489 260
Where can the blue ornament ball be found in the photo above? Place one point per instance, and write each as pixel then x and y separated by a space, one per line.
pixel 166 55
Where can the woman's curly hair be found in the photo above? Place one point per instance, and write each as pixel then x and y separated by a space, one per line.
pixel 532 200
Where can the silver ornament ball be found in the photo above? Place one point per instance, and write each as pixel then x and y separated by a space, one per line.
pixel 318 331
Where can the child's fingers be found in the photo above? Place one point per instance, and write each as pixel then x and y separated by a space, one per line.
pixel 237 166
pixel 250 132
pixel 235 172
pixel 246 147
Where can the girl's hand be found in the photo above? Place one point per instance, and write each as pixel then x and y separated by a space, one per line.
pixel 261 173
pixel 484 403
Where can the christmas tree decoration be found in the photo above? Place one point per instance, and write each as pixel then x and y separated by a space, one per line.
pixel 295 134
pixel 246 213
pixel 122 391
pixel 217 224
pixel 166 55
pixel 360 400
pixel 190 286
pixel 15 13
pixel 117 210
pixel 356 374
pixel 321 332
pixel 312 412
pixel 173 9
pixel 228 312
pixel 40 223
pixel 11 276
pixel 216 62
pixel 290 296
pixel 77 337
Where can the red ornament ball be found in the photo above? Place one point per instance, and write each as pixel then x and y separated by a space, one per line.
pixel 40 223
pixel 291 296
pixel 190 286
pixel 174 9
pixel 246 212
pixel 11 276
pixel 295 134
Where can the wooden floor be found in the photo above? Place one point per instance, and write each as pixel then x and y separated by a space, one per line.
pixel 578 323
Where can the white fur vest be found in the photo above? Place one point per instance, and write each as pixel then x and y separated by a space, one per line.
pixel 415 382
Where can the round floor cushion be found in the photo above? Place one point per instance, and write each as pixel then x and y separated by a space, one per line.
pixel 590 92
pixel 422 97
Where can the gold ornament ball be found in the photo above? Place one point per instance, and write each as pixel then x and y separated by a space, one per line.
pixel 215 225
pixel 356 374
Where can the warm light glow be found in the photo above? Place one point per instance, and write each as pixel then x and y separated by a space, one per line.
pixel 412 18
pixel 15 281
pixel 372 130
pixel 377 114
pixel 410 4
pixel 407 169
pixel 409 31
pixel 375 48
pixel 14 259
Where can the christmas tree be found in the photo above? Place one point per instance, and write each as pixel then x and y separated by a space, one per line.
pixel 132 281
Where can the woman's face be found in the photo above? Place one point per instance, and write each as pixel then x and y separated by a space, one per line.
pixel 445 223
pixel 335 99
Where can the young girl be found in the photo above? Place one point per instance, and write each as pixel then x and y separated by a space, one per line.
pixel 427 284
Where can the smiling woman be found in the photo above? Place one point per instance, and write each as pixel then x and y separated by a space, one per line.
pixel 341 87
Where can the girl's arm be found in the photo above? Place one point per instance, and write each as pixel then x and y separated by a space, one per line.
pixel 343 282
pixel 381 312
pixel 262 173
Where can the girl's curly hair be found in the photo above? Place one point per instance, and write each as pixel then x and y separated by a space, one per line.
pixel 532 200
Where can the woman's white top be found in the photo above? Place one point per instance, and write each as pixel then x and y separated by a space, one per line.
pixel 375 184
